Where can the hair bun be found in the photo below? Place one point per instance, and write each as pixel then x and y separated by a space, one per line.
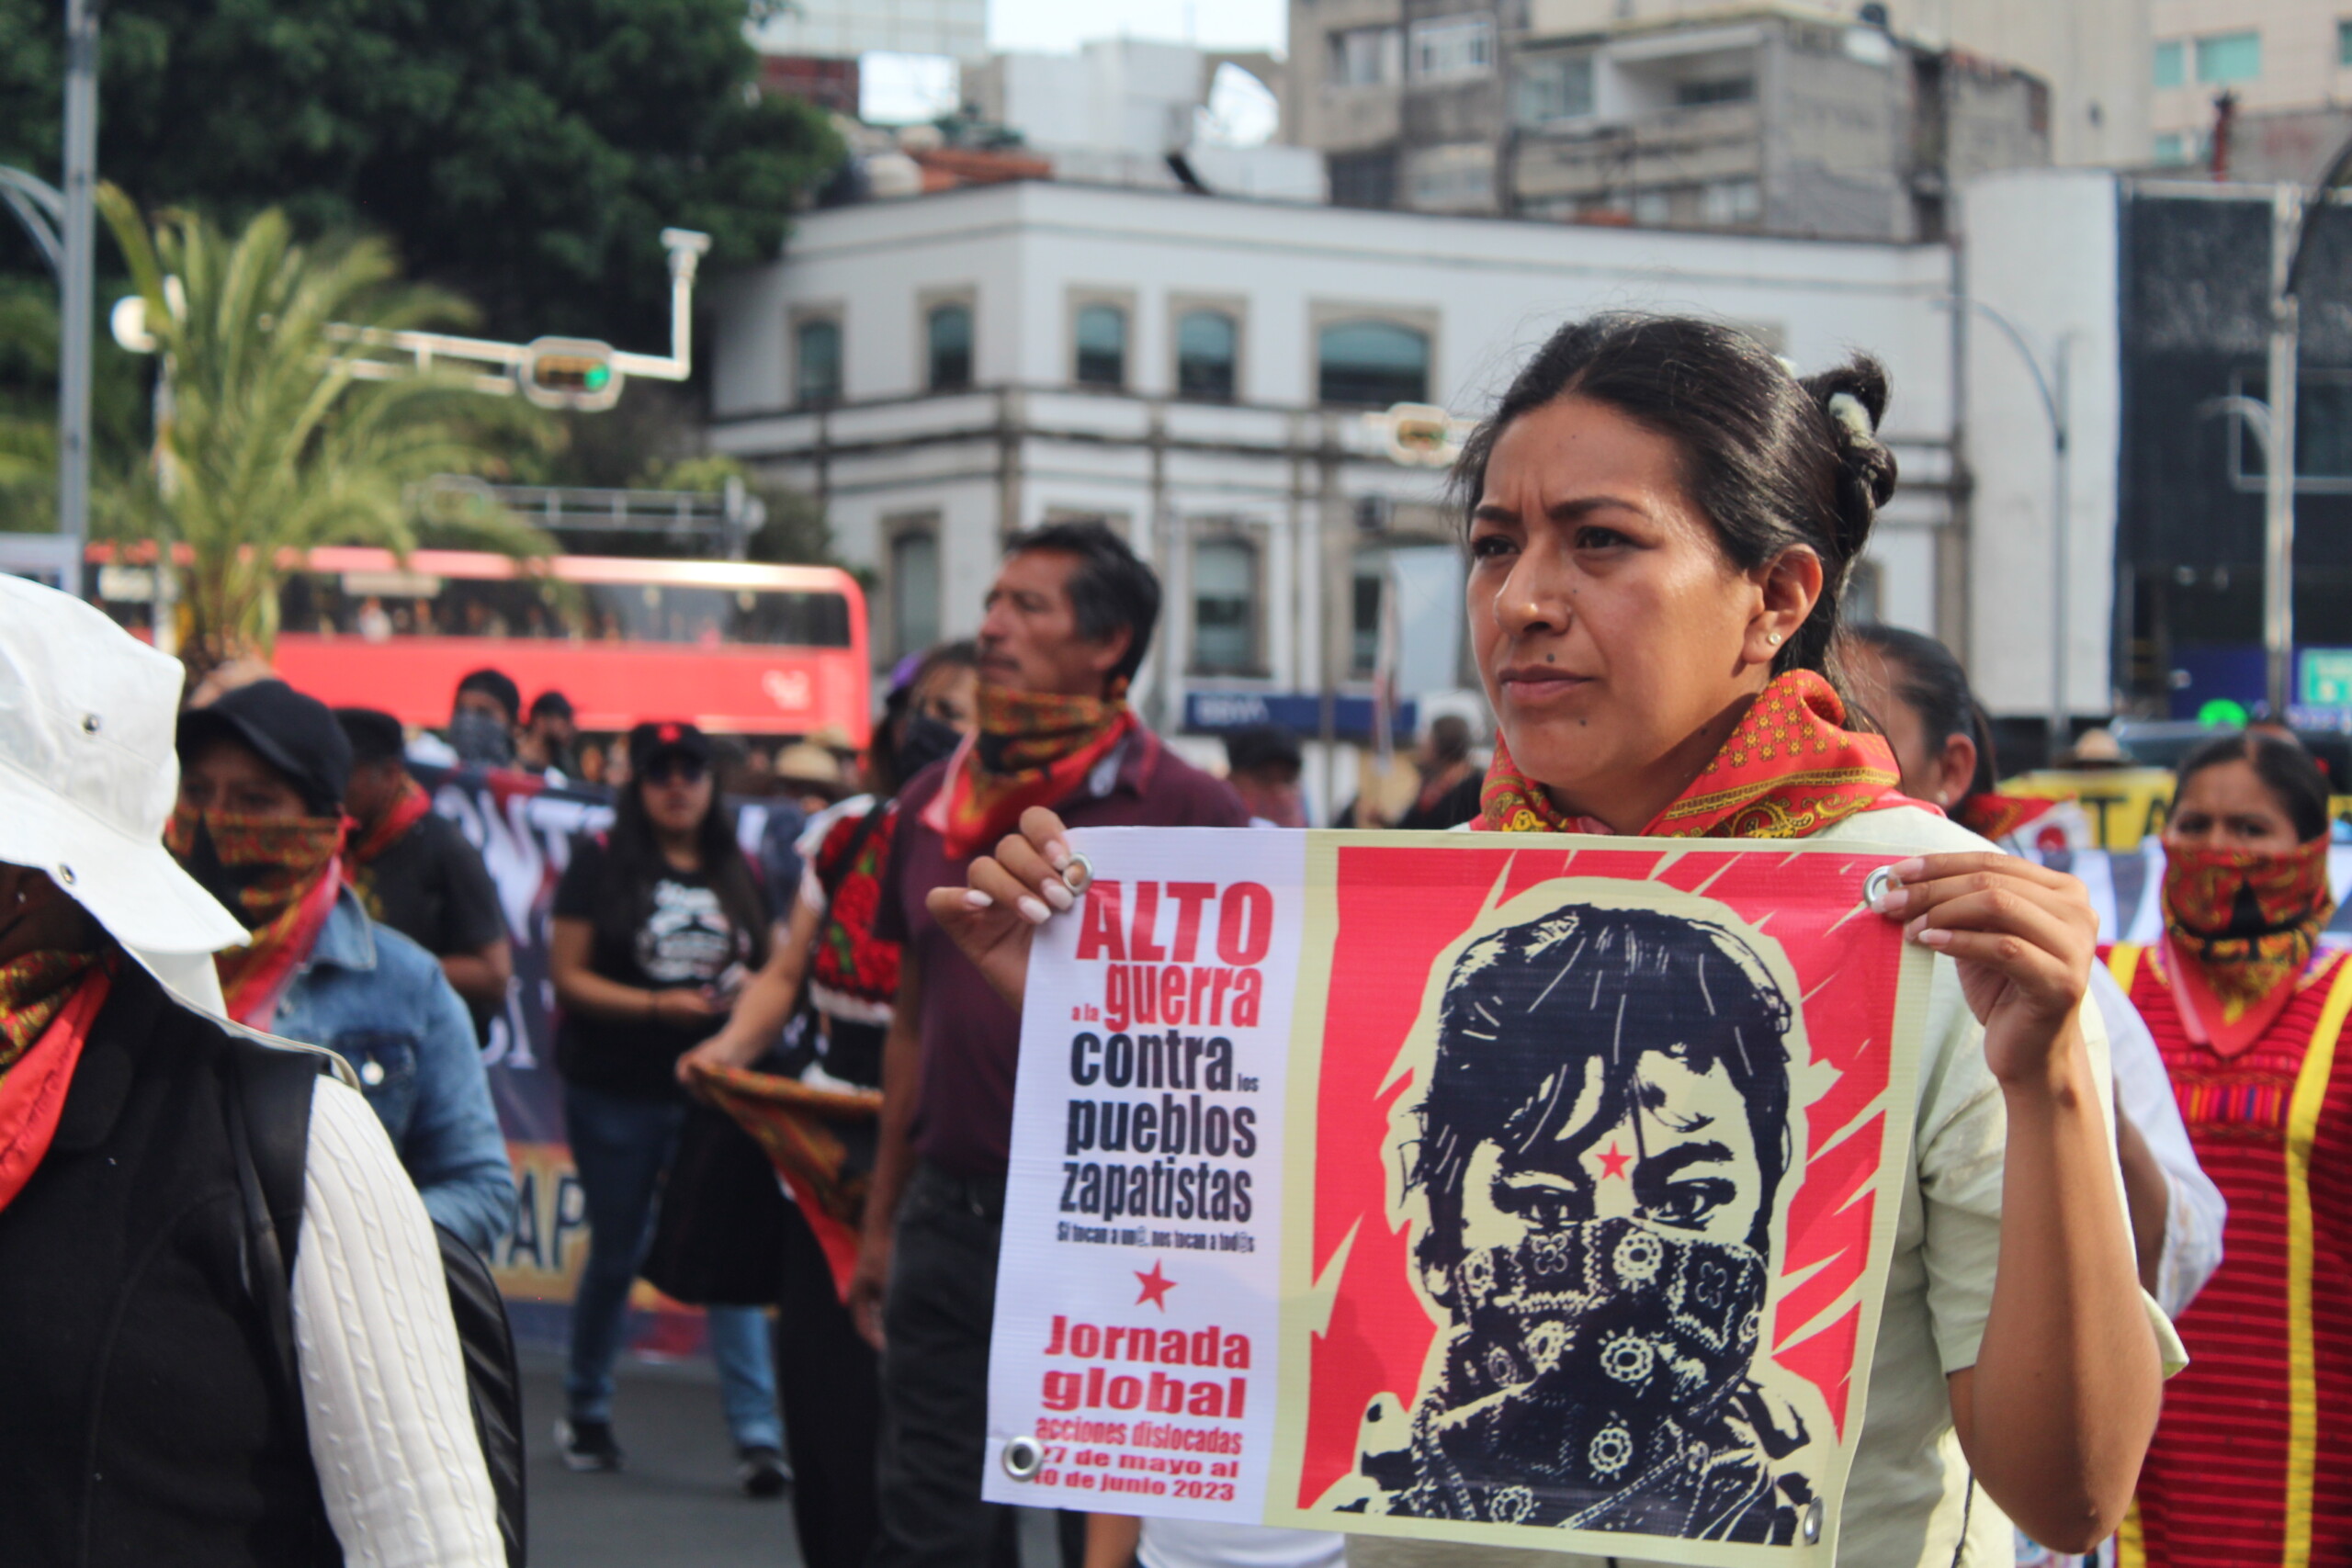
pixel 1852 397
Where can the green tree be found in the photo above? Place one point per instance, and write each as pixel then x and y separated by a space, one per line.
pixel 525 153
pixel 276 436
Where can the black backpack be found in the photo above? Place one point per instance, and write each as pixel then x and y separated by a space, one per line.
pixel 270 1123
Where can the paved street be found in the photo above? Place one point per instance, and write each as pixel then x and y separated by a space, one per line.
pixel 676 1505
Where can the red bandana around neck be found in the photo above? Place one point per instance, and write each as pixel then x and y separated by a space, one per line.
pixel 1995 817
pixel 1033 748
pixel 1789 770
pixel 48 1001
pixel 412 807
pixel 286 872
pixel 2239 925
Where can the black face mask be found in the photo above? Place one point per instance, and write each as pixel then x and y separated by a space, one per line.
pixel 925 741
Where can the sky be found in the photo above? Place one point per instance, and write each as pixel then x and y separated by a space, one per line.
pixel 1060 26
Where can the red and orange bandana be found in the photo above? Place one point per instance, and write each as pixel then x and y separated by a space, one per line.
pixel 1033 748
pixel 2241 925
pixel 48 1001
pixel 280 876
pixel 1789 770
pixel 412 807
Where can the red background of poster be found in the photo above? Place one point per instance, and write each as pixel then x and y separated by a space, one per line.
pixel 1398 908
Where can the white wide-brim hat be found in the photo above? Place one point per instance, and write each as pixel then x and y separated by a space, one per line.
pixel 88 775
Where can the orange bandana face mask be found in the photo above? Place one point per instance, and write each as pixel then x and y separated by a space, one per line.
pixel 279 875
pixel 2245 922
pixel 1033 748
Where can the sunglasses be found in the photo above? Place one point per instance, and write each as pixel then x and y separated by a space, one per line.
pixel 682 770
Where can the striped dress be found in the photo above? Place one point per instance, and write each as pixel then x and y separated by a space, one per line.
pixel 2252 1462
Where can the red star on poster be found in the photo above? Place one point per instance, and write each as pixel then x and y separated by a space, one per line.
pixel 1612 1162
pixel 1156 1287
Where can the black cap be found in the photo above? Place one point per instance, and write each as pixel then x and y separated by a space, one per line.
pixel 295 734
pixel 375 736
pixel 550 705
pixel 666 738
pixel 1261 746
pixel 499 687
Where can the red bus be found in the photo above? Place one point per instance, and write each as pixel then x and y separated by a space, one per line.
pixel 738 648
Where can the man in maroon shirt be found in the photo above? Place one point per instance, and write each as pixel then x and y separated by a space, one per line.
pixel 1069 619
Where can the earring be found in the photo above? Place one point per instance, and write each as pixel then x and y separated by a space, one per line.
pixel 1776 639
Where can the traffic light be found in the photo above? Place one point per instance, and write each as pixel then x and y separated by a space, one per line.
pixel 570 373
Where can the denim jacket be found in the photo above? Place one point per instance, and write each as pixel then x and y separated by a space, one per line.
pixel 380 1002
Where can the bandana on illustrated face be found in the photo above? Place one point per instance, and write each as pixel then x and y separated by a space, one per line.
pixel 280 876
pixel 1587 1364
pixel 1033 748
pixel 1789 770
pixel 2241 925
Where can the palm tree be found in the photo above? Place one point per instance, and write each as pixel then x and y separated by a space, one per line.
pixel 273 434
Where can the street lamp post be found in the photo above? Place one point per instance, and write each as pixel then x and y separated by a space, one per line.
pixel 2052 385
pixel 76 286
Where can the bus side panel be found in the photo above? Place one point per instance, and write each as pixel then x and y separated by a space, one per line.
pixel 736 689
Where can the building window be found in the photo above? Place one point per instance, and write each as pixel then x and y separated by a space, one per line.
pixel 1206 345
pixel 1371 364
pixel 1553 89
pixel 2172 64
pixel 1654 208
pixel 1102 339
pixel 1365 57
pixel 1225 607
pixel 1722 90
pixel 947 335
pixel 2344 43
pixel 1452 49
pixel 2226 58
pixel 914 590
pixel 817 361
pixel 1363 612
pixel 2172 148
pixel 1363 179
pixel 1725 203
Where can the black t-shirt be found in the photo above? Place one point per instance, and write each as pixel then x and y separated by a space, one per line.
pixel 682 936
pixel 431 887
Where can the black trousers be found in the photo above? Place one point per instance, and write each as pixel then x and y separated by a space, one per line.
pixel 935 1380
pixel 829 1385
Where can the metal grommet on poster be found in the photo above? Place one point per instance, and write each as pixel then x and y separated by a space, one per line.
pixel 1022 1458
pixel 65 876
pixel 1070 877
pixel 1810 1528
pixel 1876 884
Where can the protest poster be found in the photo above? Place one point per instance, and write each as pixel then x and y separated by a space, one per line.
pixel 1529 1190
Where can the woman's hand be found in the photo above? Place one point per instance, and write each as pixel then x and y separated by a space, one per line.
pixel 684 1007
pixel 727 1048
pixel 1007 895
pixel 2024 937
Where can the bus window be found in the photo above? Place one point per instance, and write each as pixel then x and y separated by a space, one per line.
pixel 375 607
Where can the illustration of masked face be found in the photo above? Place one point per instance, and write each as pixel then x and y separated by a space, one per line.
pixel 1607 1303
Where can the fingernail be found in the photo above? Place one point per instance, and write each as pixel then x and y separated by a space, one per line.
pixel 1935 938
pixel 1057 894
pixel 1891 900
pixel 976 899
pixel 1036 913
pixel 1905 870
pixel 1058 854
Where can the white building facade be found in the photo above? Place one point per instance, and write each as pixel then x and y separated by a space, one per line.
pixel 945 371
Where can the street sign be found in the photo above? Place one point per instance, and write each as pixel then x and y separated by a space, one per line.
pixel 1301 713
pixel 2327 678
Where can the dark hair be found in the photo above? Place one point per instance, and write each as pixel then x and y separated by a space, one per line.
pixel 2291 774
pixel 1528 1006
pixel 882 749
pixel 1927 679
pixel 1112 590
pixel 634 864
pixel 1261 746
pixel 550 705
pixel 375 736
pixel 1448 737
pixel 1763 457
pixel 498 686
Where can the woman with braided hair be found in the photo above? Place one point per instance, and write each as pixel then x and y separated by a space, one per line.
pixel 1661 521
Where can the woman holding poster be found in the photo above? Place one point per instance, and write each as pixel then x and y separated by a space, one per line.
pixel 1661 521
pixel 2253 1463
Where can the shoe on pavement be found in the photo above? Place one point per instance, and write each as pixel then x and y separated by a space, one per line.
pixel 587 1445
pixel 762 1474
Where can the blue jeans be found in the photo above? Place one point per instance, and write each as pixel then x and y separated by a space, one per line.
pixel 621 1147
